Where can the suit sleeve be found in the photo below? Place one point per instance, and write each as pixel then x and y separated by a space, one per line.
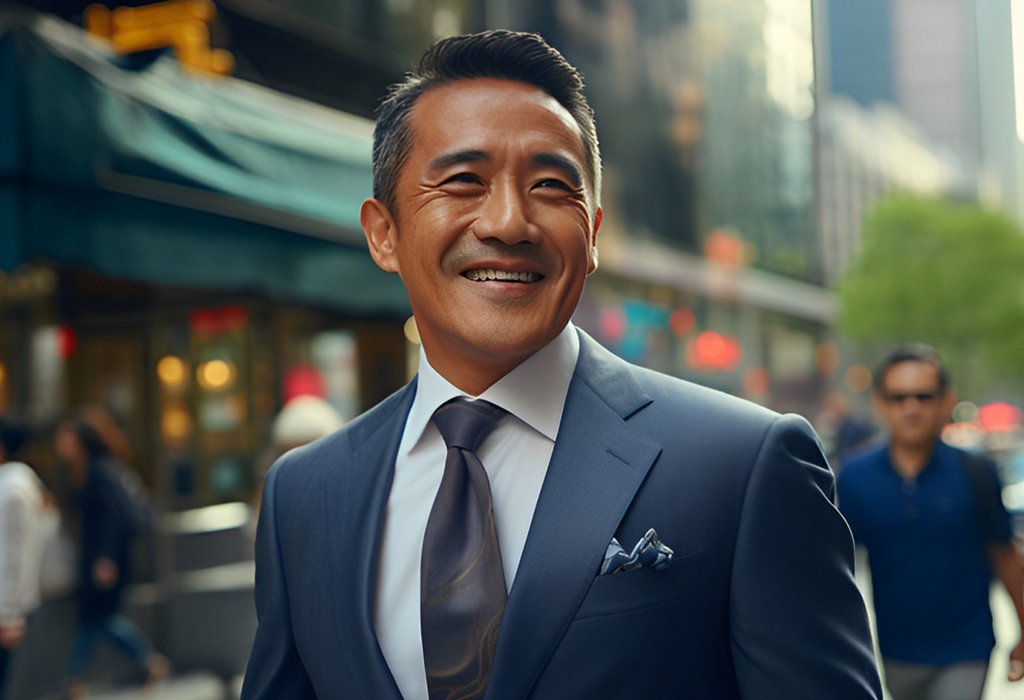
pixel 275 670
pixel 799 626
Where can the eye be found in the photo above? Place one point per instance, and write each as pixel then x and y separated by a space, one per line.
pixel 552 183
pixel 464 178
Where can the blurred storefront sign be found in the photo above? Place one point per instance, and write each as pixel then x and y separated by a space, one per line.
pixel 172 246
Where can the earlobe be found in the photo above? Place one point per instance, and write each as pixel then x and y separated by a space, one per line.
pixel 381 234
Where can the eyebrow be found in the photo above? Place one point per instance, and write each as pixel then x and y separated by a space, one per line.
pixel 545 159
pixel 553 160
pixel 446 160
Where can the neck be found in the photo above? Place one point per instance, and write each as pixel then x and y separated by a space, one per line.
pixel 475 377
pixel 910 460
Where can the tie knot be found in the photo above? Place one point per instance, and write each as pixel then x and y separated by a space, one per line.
pixel 464 423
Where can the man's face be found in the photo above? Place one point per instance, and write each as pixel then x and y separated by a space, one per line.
pixel 911 404
pixel 494 229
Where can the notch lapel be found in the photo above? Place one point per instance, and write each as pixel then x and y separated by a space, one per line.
pixel 355 562
pixel 598 464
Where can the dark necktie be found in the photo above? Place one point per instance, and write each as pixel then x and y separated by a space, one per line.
pixel 462 585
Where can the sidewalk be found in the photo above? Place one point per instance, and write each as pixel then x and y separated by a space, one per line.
pixel 997 687
pixel 197 686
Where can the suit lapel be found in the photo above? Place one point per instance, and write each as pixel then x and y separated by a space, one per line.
pixel 596 468
pixel 376 447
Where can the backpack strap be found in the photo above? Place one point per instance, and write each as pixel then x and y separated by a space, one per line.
pixel 985 487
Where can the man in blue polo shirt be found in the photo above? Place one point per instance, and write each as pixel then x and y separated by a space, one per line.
pixel 934 534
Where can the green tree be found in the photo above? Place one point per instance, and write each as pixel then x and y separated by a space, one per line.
pixel 946 273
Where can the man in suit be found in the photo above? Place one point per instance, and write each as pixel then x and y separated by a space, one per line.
pixel 740 585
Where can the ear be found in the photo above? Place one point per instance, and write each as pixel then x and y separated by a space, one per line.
pixel 598 216
pixel 381 234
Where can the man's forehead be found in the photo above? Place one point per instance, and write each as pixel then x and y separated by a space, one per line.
pixel 487 98
pixel 911 371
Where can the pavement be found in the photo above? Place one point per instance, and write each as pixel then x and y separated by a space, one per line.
pixel 195 686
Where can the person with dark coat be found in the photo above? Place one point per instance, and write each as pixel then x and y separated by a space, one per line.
pixel 106 535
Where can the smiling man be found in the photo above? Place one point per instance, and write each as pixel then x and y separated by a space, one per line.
pixel 934 526
pixel 533 517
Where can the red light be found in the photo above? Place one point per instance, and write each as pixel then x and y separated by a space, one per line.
pixel 67 341
pixel 725 248
pixel 711 351
pixel 613 324
pixel 997 417
pixel 681 321
pixel 211 322
pixel 303 380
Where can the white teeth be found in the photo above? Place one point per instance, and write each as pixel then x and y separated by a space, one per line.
pixel 501 276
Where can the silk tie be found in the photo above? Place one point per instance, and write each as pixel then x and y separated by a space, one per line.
pixel 462 584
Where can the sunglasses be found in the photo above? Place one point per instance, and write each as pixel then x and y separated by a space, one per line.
pixel 921 396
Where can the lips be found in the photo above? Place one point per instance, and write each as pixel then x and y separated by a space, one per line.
pixel 492 275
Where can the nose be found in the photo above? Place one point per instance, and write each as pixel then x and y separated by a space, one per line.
pixel 505 216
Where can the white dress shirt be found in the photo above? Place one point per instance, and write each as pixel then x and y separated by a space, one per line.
pixel 515 456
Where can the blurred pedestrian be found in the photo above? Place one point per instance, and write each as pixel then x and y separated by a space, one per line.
pixel 932 520
pixel 107 529
pixel 842 432
pixel 24 527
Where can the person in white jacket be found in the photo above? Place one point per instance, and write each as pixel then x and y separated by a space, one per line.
pixel 24 523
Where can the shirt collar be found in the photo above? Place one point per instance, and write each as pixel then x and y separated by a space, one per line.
pixel 546 373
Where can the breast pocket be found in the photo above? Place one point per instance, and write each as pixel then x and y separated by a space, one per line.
pixel 686 577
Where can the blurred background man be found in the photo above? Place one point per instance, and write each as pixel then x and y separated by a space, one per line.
pixel 935 528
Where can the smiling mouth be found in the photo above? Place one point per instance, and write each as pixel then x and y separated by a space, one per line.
pixel 523 277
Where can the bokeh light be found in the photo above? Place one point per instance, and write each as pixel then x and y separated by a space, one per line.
pixel 171 370
pixel 858 379
pixel 412 331
pixel 216 375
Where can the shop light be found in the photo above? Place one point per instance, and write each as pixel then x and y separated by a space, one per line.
pixel 1000 416
pixel 711 352
pixel 171 370
pixel 175 424
pixel 216 375
pixel 67 341
pixel 858 379
pixel 681 321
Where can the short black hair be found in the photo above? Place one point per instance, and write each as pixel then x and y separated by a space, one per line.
pixel 497 53
pixel 912 352
pixel 12 437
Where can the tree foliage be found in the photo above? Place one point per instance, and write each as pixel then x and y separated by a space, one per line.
pixel 947 273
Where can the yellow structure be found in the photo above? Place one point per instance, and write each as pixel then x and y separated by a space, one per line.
pixel 181 24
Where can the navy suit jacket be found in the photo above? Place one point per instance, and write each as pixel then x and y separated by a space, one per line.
pixel 759 602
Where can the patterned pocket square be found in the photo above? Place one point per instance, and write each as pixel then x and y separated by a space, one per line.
pixel 648 552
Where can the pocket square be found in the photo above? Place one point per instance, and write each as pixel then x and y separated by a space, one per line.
pixel 648 552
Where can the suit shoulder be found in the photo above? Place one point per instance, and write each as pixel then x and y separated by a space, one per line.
pixel 674 392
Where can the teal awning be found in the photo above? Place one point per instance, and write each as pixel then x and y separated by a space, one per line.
pixel 162 176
